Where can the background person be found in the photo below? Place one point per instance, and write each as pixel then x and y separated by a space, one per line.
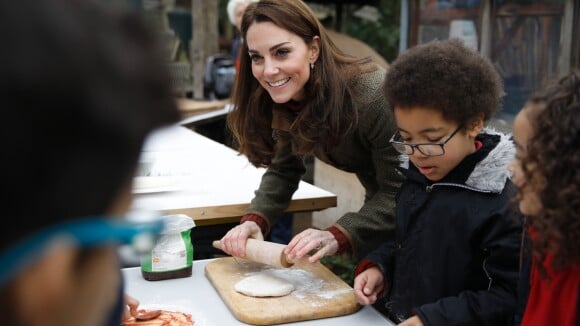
pixel 87 84
pixel 235 9
pixel 297 94
pixel 454 260
pixel 546 132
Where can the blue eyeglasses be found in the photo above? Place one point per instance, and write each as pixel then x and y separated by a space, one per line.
pixel 139 233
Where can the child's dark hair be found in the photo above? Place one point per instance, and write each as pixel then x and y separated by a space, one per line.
pixel 87 81
pixel 447 76
pixel 550 167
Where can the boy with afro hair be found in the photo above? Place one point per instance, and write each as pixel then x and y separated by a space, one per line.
pixel 454 258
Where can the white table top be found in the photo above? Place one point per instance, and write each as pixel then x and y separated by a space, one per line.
pixel 214 181
pixel 196 295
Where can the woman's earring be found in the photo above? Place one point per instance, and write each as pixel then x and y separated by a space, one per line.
pixel 311 65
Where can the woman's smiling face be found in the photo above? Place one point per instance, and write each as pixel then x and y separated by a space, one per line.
pixel 280 60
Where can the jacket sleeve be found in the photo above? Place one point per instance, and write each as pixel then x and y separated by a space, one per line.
pixel 499 239
pixel 377 215
pixel 384 258
pixel 279 182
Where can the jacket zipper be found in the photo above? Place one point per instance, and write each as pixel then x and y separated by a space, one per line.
pixel 429 188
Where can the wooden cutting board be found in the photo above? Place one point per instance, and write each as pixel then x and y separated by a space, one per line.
pixel 319 293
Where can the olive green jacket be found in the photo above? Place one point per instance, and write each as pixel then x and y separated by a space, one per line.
pixel 365 151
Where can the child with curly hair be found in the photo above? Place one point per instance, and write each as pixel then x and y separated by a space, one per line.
pixel 546 132
pixel 454 260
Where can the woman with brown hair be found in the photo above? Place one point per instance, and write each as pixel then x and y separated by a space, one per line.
pixel 297 94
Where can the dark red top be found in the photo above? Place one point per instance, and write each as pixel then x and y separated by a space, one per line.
pixel 553 299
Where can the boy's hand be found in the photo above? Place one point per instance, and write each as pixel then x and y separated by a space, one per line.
pixel 368 285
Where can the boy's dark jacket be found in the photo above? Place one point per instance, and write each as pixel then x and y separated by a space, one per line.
pixel 455 257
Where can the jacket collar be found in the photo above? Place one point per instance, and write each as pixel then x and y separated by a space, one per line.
pixel 492 172
pixel 283 115
pixel 485 170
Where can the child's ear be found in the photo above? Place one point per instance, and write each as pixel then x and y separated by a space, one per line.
pixel 475 126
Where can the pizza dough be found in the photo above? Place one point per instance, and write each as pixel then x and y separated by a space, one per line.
pixel 264 285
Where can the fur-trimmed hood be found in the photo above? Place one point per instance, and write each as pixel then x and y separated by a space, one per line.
pixel 492 172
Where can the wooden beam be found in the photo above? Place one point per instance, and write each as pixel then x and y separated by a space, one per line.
pixel 205 40
pixel 197 48
pixel 487 19
pixel 566 33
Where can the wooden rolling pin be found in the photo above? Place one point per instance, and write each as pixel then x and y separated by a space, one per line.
pixel 264 252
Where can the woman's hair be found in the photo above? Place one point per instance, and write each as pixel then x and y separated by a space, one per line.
pixel 231 8
pixel 86 83
pixel 328 112
pixel 550 168
pixel 446 76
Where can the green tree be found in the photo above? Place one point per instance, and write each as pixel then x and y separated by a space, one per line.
pixel 382 35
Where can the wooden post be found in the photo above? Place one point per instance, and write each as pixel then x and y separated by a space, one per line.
pixel 567 29
pixel 211 27
pixel 196 48
pixel 204 41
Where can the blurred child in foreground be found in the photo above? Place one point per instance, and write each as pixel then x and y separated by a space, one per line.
pixel 86 85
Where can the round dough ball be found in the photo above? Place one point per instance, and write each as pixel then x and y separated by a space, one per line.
pixel 264 285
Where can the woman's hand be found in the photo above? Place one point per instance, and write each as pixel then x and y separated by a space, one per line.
pixel 319 243
pixel 368 285
pixel 234 242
